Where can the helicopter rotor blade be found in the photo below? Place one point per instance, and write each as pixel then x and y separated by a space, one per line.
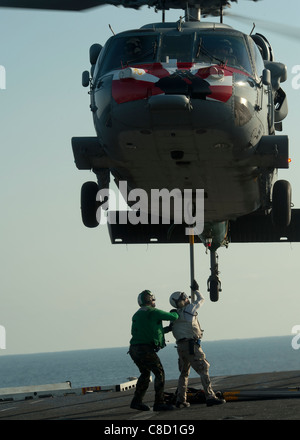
pixel 210 7
pixel 286 31
pixel 60 5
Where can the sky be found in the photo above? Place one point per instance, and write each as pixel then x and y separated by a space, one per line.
pixel 66 287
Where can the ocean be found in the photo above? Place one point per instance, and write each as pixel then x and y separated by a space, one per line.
pixel 112 366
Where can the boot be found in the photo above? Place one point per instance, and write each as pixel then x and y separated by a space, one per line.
pixel 139 405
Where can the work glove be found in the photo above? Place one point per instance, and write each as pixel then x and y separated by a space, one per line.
pixel 194 285
pixel 168 328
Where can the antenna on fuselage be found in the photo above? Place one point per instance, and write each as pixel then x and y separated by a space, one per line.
pixel 111 29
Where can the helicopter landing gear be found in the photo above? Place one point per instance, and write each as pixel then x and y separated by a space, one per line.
pixel 213 282
pixel 89 205
pixel 281 204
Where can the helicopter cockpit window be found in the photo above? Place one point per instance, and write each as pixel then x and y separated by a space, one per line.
pixel 124 51
pixel 223 49
pixel 259 63
pixel 178 47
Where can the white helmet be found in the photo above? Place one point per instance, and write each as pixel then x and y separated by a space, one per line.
pixel 145 297
pixel 176 297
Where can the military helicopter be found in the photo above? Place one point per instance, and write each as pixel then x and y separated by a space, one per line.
pixel 190 105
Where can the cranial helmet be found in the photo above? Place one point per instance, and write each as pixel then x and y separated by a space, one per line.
pixel 225 44
pixel 145 297
pixel 176 297
pixel 133 45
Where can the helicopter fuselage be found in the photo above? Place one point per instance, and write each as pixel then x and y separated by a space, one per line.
pixel 183 105
pixel 187 107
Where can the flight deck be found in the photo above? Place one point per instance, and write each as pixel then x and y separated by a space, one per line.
pixel 262 396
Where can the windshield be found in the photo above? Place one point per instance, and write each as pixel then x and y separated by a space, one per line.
pixel 224 49
pixel 130 50
pixel 177 47
pixel 205 47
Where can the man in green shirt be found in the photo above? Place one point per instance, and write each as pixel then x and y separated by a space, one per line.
pixel 147 338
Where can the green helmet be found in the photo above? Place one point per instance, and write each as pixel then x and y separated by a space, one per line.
pixel 145 298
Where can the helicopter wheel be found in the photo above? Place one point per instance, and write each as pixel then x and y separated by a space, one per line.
pixel 281 204
pixel 214 288
pixel 89 205
pixel 213 282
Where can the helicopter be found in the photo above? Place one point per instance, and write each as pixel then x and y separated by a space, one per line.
pixel 187 106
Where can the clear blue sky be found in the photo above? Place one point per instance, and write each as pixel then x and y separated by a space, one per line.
pixel 65 287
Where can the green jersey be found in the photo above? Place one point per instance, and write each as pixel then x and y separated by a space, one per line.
pixel 147 326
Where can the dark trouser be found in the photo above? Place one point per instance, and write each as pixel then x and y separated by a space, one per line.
pixel 147 360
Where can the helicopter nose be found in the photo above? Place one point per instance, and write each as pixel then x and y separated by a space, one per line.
pixel 182 83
